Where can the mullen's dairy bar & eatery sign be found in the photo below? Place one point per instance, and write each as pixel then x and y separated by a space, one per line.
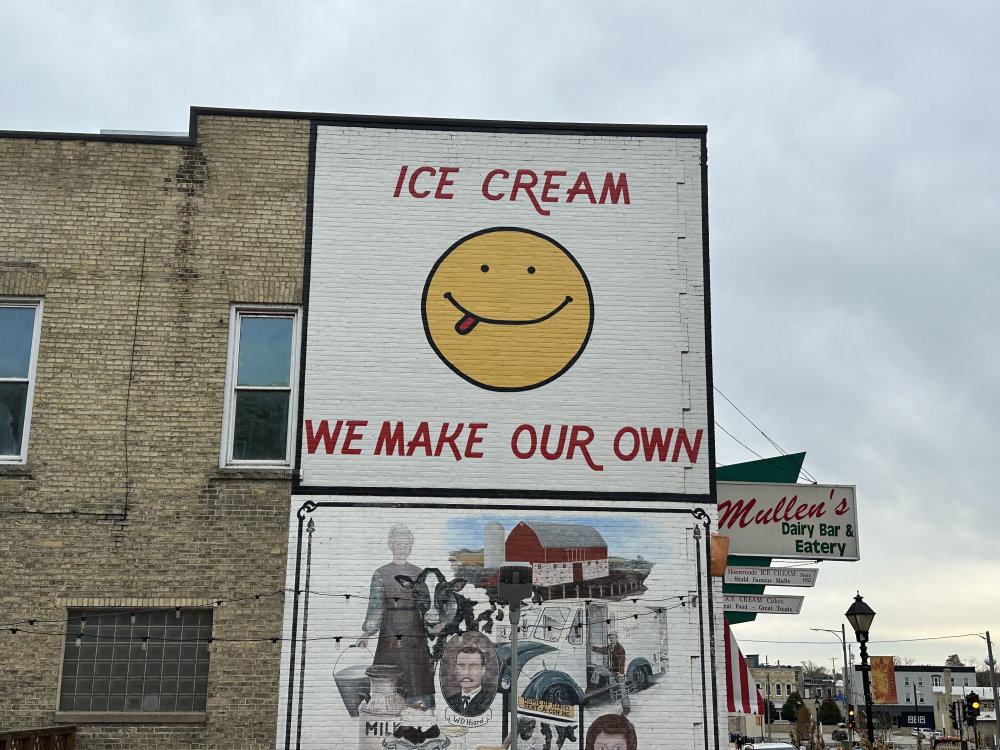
pixel 804 521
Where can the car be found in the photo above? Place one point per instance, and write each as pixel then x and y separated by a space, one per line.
pixel 769 746
pixel 838 735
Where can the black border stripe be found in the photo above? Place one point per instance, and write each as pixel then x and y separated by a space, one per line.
pixel 375 121
pixel 496 506
pixel 504 494
pixel 306 280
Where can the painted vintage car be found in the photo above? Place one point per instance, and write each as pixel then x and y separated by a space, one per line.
pixel 556 657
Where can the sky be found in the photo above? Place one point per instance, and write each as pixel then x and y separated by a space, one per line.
pixel 853 200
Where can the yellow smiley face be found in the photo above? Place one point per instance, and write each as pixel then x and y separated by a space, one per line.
pixel 507 309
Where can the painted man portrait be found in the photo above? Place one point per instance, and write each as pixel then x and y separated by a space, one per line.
pixel 469 674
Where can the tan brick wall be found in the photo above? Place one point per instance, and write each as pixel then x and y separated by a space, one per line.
pixel 219 221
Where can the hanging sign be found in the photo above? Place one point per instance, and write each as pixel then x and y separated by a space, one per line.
pixel 805 577
pixel 774 605
pixel 798 521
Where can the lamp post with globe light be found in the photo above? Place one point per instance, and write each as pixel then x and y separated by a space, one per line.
pixel 860 615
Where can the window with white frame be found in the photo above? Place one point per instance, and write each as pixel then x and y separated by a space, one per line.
pixel 147 661
pixel 777 688
pixel 261 386
pixel 937 680
pixel 20 324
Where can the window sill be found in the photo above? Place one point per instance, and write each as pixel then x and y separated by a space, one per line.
pixel 241 472
pixel 17 470
pixel 132 717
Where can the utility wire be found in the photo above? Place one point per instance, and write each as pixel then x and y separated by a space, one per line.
pixel 767 437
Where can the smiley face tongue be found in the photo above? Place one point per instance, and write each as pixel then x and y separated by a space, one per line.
pixel 466 324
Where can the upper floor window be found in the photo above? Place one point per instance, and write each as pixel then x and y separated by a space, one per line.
pixel 777 688
pixel 937 680
pixel 20 323
pixel 261 390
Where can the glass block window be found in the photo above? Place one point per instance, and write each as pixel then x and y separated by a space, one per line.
pixel 261 387
pixel 115 660
pixel 20 322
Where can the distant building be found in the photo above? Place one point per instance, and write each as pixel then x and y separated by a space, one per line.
pixel 915 688
pixel 776 682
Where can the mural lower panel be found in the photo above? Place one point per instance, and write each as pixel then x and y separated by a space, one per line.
pixel 395 637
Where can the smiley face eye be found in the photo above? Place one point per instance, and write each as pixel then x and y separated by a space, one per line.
pixel 531 269
pixel 484 268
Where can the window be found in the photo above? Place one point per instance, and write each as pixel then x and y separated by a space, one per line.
pixel 261 387
pixel 20 323
pixel 936 680
pixel 777 688
pixel 906 680
pixel 116 660
pixel 788 688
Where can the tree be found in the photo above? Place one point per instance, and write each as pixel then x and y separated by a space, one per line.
pixel 813 671
pixel 829 712
pixel 790 709
pixel 902 661
pixel 953 661
pixel 800 731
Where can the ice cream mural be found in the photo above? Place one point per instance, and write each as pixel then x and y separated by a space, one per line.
pixel 400 642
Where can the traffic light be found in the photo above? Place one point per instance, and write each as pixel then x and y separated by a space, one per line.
pixel 955 713
pixel 971 707
pixel 850 715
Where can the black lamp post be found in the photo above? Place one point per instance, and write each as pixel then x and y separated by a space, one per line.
pixel 860 615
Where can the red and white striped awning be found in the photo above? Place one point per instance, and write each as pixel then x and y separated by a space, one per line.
pixel 742 694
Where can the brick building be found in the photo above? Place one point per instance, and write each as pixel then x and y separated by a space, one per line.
pixel 186 504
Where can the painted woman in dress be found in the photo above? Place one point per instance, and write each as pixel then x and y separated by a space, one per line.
pixel 392 612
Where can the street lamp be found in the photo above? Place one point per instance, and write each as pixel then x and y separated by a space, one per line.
pixel 819 727
pixel 860 615
pixel 848 697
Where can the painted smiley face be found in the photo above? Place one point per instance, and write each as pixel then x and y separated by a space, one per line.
pixel 507 309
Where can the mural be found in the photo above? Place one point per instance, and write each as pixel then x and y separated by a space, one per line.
pixel 416 653
pixel 459 337
pixel 505 360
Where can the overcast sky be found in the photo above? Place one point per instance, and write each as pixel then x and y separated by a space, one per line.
pixel 853 203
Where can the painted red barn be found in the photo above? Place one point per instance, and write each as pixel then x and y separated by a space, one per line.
pixel 558 552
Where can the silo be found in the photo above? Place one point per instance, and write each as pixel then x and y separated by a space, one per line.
pixel 493 545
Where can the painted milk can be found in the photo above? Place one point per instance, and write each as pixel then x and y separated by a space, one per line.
pixel 380 711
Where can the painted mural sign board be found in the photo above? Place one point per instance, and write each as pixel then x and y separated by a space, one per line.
pixel 763 603
pixel 375 640
pixel 506 359
pixel 507 309
pixel 804 577
pixel 796 521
